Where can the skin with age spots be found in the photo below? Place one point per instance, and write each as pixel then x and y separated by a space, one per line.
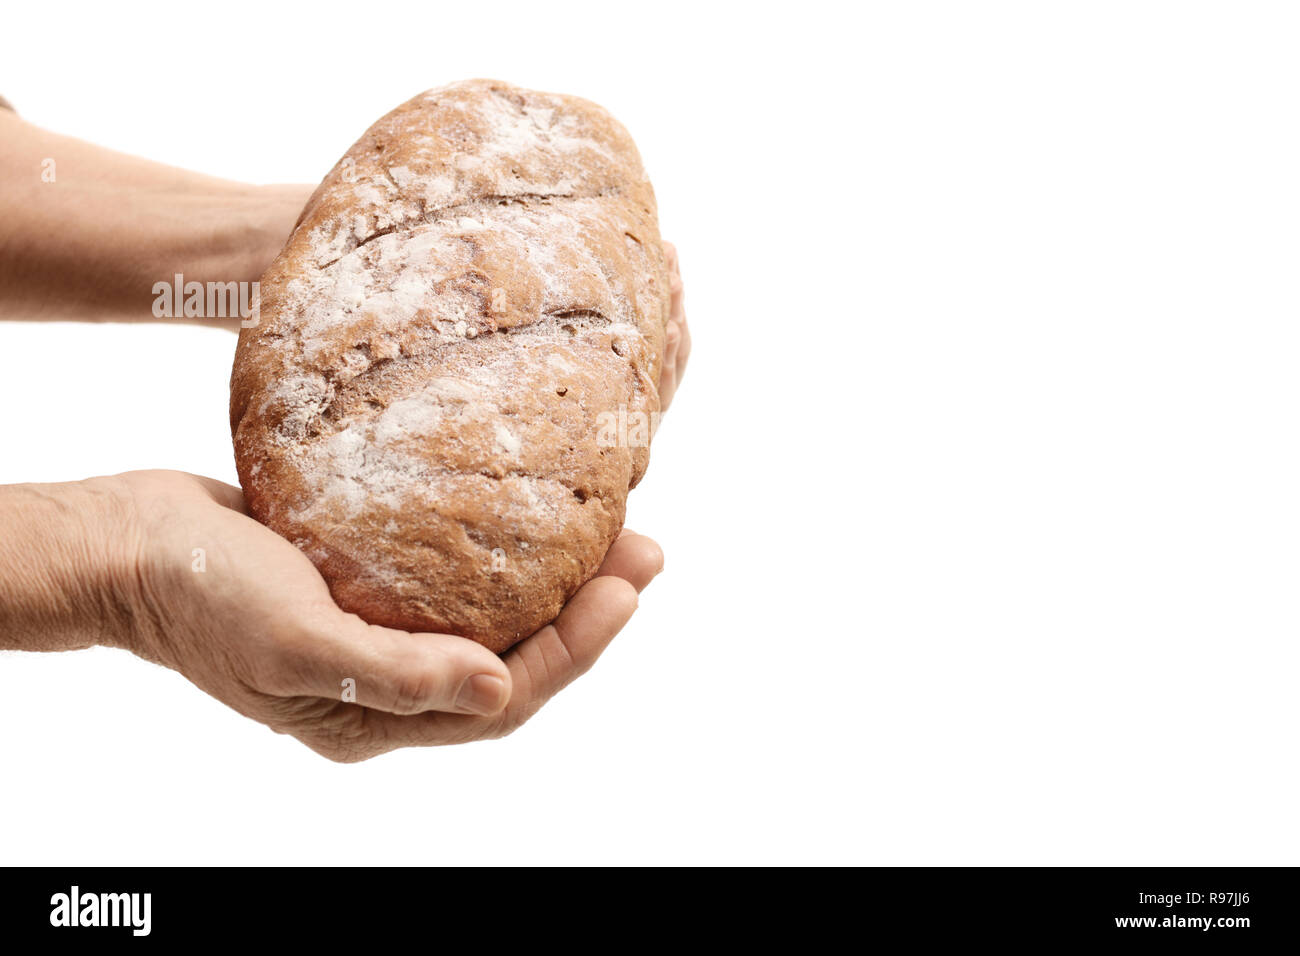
pixel 108 561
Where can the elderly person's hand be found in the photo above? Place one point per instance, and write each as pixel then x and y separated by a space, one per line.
pixel 169 566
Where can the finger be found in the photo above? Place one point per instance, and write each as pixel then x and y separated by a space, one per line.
pixel 683 347
pixel 668 374
pixel 545 663
pixel 393 671
pixel 677 347
pixel 539 667
pixel 677 320
pixel 634 558
pixel 676 290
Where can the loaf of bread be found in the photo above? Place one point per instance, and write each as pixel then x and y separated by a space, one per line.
pixel 444 400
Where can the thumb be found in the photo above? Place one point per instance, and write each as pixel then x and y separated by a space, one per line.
pixel 397 671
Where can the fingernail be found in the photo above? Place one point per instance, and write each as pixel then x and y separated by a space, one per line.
pixel 481 694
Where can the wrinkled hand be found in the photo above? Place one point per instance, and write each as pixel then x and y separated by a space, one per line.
pixel 258 630
pixel 678 347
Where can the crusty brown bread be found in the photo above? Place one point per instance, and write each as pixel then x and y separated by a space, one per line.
pixel 443 400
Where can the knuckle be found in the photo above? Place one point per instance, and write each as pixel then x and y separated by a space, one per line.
pixel 293 715
pixel 413 689
pixel 344 736
pixel 336 753
pixel 503 728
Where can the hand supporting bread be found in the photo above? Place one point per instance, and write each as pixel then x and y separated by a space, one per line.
pixel 167 565
pixel 471 298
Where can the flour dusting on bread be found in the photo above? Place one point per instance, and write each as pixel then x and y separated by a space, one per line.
pixel 475 282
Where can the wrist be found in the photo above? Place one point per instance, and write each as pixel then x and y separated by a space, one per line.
pixel 238 231
pixel 67 565
pixel 205 230
pixel 220 235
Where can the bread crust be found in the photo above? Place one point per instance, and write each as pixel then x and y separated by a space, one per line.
pixel 423 405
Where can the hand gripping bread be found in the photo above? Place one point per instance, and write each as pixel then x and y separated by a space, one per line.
pixel 434 403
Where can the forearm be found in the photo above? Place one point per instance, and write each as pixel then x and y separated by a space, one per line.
pixel 65 559
pixel 90 235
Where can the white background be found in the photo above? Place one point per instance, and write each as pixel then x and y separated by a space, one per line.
pixel 981 501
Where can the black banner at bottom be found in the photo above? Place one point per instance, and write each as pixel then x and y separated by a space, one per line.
pixel 1221 908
